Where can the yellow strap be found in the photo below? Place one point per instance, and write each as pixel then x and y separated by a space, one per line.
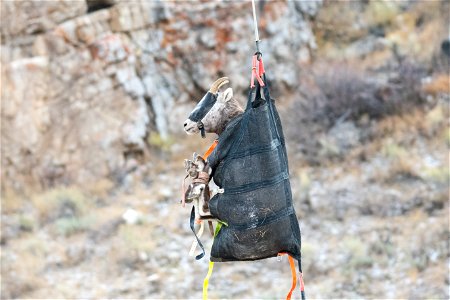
pixel 210 268
pixel 206 280
pixel 219 225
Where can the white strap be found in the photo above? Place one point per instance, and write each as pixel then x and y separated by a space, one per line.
pixel 195 243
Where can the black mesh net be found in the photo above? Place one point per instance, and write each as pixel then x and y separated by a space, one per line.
pixel 250 164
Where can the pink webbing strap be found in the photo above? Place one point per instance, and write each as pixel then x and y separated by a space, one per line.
pixel 257 71
pixel 261 67
pixel 183 191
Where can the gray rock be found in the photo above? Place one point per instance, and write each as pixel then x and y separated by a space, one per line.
pixel 345 135
pixel 78 84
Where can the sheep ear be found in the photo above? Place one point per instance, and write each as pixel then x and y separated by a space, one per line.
pixel 208 169
pixel 227 95
pixel 200 162
pixel 188 164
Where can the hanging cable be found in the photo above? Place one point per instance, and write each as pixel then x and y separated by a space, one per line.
pixel 255 24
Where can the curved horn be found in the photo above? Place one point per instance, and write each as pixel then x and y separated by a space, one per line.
pixel 217 84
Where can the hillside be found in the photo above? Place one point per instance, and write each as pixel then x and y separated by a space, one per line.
pixel 93 99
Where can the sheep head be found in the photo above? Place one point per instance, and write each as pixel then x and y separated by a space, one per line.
pixel 214 111
pixel 225 109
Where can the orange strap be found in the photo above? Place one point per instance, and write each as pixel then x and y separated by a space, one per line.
pixel 210 149
pixel 294 276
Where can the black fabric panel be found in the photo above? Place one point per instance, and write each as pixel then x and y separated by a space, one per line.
pixel 250 164
pixel 202 108
pixel 241 209
pixel 257 243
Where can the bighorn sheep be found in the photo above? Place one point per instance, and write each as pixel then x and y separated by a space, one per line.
pixel 214 111
pixel 212 114
pixel 198 190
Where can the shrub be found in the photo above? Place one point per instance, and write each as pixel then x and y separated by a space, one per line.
pixel 342 92
pixel 26 223
pixel 61 202
pixel 348 93
pixel 72 225
pixel 159 142
pixel 438 175
pixel 381 12
pixel 357 254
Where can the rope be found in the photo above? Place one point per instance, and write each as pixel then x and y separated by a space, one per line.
pixel 255 22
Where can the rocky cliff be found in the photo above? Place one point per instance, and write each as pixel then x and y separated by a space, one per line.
pixel 84 83
pixel 93 97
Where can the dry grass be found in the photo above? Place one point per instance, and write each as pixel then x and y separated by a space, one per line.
pixel 446 136
pixel 402 164
pixel 439 175
pixel 157 141
pixel 357 255
pixel 133 245
pixel 23 267
pixel 12 202
pixel 305 185
pixel 27 223
pixel 439 84
pixel 334 23
pixel 68 210
pixel 137 238
pixel 417 122
pixel 381 12
pixel 61 202
pixel 393 150
pixel 415 32
pixel 100 188
pixel 72 225
pixel 402 168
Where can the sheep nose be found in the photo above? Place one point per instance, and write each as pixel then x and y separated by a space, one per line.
pixel 185 124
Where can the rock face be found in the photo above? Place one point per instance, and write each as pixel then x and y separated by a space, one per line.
pixel 82 91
